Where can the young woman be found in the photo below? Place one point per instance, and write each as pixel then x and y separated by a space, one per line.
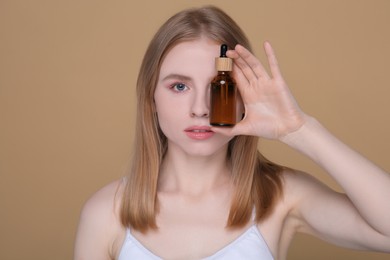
pixel 201 192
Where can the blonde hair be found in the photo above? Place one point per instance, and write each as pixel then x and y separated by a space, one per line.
pixel 257 181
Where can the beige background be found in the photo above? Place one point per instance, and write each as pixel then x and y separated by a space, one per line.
pixel 67 74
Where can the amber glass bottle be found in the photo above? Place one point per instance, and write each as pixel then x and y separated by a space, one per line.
pixel 223 92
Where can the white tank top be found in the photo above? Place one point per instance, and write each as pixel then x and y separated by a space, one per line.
pixel 250 245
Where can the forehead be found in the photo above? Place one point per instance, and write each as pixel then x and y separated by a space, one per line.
pixel 190 55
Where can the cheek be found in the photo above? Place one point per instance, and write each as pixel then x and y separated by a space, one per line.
pixel 163 112
pixel 169 114
pixel 163 119
pixel 161 103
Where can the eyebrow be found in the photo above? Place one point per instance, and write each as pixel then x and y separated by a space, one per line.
pixel 177 76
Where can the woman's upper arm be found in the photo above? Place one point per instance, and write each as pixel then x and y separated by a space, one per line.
pixel 331 216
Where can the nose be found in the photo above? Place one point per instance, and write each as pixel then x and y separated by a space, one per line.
pixel 200 105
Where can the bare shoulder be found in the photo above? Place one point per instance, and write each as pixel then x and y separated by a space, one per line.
pixel 105 201
pixel 298 184
pixel 100 231
pixel 286 219
pixel 301 192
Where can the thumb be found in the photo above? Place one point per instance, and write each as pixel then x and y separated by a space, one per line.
pixel 227 131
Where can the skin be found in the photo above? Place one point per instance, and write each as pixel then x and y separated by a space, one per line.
pixel 195 187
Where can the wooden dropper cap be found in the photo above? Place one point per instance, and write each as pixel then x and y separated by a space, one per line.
pixel 223 63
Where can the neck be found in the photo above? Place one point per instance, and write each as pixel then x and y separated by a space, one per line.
pixel 193 174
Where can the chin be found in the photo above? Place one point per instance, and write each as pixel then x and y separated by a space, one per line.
pixel 199 148
pixel 206 151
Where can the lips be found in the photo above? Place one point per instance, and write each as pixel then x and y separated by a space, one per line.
pixel 199 132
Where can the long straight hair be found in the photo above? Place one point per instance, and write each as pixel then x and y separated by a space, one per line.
pixel 257 181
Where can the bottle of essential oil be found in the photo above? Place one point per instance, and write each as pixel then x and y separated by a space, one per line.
pixel 223 92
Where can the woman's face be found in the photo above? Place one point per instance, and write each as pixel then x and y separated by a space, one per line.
pixel 182 98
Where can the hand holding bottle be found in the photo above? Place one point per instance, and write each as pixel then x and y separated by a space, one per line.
pixel 270 109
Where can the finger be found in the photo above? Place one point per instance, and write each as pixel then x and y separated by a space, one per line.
pixel 272 61
pixel 252 62
pixel 240 128
pixel 242 65
pixel 241 79
pixel 227 131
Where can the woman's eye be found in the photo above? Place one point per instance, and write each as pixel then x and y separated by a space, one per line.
pixel 179 87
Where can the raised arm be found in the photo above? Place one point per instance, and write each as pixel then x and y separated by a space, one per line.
pixel 361 219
